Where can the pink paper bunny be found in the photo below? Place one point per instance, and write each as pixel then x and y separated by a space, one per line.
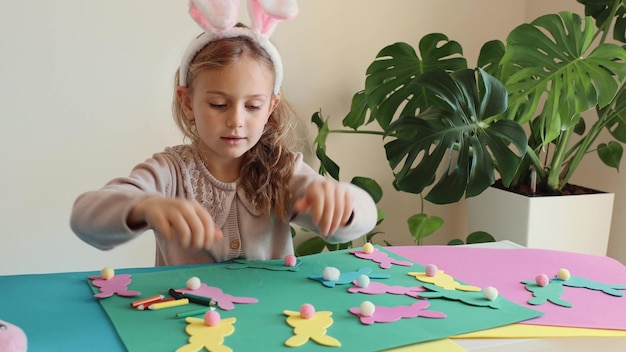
pixel 380 257
pixel 118 284
pixel 224 300
pixel 391 314
pixel 378 288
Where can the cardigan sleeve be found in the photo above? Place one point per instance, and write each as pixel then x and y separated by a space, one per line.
pixel 364 213
pixel 99 217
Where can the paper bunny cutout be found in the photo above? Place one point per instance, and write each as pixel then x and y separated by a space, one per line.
pixel 219 17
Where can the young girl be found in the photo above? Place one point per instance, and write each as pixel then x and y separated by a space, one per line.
pixel 233 191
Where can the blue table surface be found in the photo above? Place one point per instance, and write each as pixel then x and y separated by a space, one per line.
pixel 58 311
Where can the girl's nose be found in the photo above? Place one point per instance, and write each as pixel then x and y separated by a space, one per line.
pixel 235 118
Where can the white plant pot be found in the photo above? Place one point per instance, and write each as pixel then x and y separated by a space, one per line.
pixel 574 223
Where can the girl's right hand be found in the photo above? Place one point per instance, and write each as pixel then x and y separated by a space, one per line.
pixel 183 220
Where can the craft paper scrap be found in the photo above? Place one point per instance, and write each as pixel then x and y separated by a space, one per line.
pixel 506 268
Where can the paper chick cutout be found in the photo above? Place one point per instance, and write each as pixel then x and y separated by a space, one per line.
pixel 313 328
pixel 444 281
pixel 380 257
pixel 348 277
pixel 379 288
pixel 468 297
pixel 581 282
pixel 276 265
pixel 548 293
pixel 211 338
pixel 117 284
pixel 391 314
pixel 224 300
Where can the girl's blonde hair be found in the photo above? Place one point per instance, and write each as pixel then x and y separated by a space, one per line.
pixel 268 166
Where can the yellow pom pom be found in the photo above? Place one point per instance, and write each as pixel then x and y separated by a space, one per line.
pixel 107 273
pixel 563 274
pixel 368 248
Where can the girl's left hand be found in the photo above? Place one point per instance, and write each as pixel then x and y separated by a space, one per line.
pixel 329 203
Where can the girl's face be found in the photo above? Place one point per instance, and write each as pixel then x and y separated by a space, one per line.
pixel 230 108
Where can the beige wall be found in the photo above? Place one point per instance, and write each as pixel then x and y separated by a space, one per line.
pixel 86 89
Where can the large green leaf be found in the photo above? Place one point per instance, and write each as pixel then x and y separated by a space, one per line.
pixel 370 186
pixel 548 60
pixel 390 86
pixel 460 143
pixel 601 10
pixel 422 226
pixel 327 165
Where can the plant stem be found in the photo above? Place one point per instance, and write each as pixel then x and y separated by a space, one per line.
pixel 378 133
pixel 556 164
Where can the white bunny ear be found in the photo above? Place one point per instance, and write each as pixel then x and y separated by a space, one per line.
pixel 265 14
pixel 217 15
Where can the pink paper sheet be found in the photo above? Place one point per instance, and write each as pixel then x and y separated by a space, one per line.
pixel 504 269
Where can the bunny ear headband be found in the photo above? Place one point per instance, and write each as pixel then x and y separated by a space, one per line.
pixel 218 19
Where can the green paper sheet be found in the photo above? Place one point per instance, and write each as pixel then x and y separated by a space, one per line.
pixel 262 326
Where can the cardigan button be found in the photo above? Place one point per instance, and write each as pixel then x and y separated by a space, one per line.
pixel 234 244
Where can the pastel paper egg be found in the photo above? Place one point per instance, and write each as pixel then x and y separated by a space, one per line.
pixel 431 270
pixel 367 309
pixel 368 248
pixel 490 293
pixel 307 311
pixel 331 273
pixel 212 318
pixel 563 274
pixel 107 273
pixel 290 260
pixel 193 283
pixel 363 281
pixel 542 280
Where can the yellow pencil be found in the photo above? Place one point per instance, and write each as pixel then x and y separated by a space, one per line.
pixel 168 304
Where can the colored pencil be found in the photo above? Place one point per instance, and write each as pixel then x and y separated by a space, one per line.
pixel 191 313
pixel 168 304
pixel 146 300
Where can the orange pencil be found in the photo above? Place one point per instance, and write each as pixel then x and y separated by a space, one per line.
pixel 146 300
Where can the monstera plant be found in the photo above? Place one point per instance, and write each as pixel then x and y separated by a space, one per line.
pixel 451 131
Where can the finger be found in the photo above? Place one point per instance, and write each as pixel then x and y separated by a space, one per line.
pixel 347 209
pixel 338 210
pixel 216 235
pixel 301 205
pixel 162 226
pixel 181 230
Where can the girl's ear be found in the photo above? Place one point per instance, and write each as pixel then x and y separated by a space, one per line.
pixel 274 102
pixel 184 99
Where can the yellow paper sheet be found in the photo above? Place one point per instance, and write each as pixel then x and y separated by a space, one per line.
pixel 444 345
pixel 537 331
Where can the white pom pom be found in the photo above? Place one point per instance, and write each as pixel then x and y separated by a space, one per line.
pixel 193 283
pixel 363 281
pixel 490 293
pixel 331 273
pixel 367 309
pixel 368 248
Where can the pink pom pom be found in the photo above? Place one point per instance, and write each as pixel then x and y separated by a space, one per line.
pixel 542 280
pixel 307 311
pixel 431 270
pixel 290 260
pixel 212 318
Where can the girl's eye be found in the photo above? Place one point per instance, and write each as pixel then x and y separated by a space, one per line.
pixel 253 107
pixel 217 106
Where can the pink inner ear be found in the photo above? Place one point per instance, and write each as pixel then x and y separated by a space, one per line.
pixel 197 16
pixel 262 22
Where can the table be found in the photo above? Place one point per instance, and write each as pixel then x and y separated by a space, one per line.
pixel 67 318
